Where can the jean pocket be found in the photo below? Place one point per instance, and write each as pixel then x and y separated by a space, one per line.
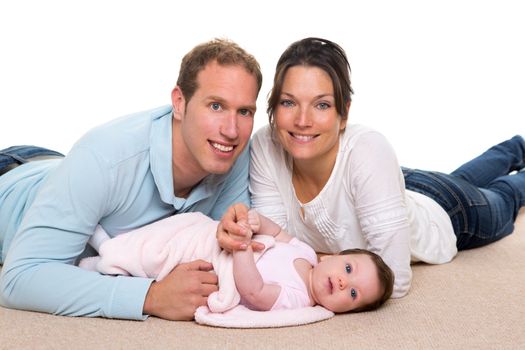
pixel 469 194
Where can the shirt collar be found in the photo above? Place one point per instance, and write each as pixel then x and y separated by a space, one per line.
pixel 161 164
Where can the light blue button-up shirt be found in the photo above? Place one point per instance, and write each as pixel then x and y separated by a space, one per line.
pixel 118 174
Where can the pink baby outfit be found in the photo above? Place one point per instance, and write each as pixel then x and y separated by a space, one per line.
pixel 276 266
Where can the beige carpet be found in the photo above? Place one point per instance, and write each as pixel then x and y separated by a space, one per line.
pixel 475 302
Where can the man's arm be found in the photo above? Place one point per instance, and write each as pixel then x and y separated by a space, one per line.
pixel 39 272
pixel 150 251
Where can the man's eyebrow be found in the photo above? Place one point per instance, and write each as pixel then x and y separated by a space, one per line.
pixel 250 107
pixel 215 98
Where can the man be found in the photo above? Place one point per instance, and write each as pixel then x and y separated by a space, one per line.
pixel 190 156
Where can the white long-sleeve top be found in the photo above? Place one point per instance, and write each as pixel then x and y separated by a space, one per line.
pixel 364 204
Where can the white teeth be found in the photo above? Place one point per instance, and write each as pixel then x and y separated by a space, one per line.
pixel 303 137
pixel 222 148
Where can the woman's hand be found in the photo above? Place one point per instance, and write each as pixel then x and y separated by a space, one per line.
pixel 233 232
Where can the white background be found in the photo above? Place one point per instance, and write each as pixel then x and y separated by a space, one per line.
pixel 443 80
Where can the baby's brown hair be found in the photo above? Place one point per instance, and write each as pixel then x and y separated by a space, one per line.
pixel 384 275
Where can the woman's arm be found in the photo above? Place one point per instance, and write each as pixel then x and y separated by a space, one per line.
pixel 377 187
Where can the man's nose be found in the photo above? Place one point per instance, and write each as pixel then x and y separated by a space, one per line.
pixel 230 127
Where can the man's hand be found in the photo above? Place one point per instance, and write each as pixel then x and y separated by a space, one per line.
pixel 233 232
pixel 181 292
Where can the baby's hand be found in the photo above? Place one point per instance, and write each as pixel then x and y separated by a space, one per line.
pixel 248 227
pixel 233 236
pixel 254 221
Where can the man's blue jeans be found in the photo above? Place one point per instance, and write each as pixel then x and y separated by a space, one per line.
pixel 17 155
pixel 480 197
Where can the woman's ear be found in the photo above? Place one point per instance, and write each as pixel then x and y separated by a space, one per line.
pixel 344 121
pixel 342 126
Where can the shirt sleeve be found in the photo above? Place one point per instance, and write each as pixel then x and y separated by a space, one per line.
pixel 39 272
pixel 307 252
pixel 377 186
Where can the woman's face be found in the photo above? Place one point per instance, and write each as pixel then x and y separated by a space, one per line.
pixel 306 120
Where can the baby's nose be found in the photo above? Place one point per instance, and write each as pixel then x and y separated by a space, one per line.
pixel 342 283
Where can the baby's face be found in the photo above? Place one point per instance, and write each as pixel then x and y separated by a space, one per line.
pixel 343 283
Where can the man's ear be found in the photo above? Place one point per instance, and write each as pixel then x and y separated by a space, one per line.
pixel 178 103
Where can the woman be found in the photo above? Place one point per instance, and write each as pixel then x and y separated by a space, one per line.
pixel 337 186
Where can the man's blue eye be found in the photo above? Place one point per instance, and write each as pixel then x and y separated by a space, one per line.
pixel 348 268
pixel 245 112
pixel 353 293
pixel 215 106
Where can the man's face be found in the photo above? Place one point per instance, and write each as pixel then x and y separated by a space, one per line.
pixel 216 123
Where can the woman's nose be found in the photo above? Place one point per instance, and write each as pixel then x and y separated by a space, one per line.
pixel 302 119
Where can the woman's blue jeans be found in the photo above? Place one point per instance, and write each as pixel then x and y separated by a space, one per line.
pixel 480 197
pixel 17 155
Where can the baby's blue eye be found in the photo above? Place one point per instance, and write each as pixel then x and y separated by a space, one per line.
pixel 348 268
pixel 353 293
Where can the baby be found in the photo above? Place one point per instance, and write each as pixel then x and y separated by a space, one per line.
pixel 290 277
pixel 286 276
